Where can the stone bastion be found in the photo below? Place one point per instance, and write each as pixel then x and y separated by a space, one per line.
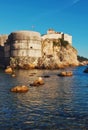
pixel 23 45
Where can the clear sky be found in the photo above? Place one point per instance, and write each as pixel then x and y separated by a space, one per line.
pixel 68 16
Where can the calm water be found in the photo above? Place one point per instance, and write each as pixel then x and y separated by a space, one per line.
pixel 60 104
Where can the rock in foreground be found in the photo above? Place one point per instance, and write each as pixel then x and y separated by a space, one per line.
pixel 20 89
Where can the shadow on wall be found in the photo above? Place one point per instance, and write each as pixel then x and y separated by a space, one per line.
pixel 1 55
pixel 3 61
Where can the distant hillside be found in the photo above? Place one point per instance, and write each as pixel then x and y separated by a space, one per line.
pixel 81 58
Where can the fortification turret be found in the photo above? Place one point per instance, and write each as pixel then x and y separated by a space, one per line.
pixel 23 44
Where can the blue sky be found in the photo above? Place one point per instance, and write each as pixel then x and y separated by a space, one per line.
pixel 68 16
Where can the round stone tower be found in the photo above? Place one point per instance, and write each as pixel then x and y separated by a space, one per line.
pixel 24 45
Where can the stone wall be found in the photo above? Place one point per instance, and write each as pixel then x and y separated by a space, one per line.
pixel 68 38
pixel 52 36
pixel 25 43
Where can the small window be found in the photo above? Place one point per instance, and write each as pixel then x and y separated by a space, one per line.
pixel 31 47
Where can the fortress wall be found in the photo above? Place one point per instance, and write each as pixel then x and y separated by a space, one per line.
pixel 52 36
pixel 26 53
pixel 25 43
pixel 68 38
pixel 28 45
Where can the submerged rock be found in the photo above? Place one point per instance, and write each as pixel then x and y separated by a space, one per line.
pixel 22 88
pixel 86 70
pixel 46 76
pixel 37 82
pixel 13 75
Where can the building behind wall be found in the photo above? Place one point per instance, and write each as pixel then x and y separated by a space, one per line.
pixel 52 37
pixel 67 37
pixel 52 34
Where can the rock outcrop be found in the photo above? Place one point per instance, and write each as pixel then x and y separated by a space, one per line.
pixel 65 73
pixel 60 55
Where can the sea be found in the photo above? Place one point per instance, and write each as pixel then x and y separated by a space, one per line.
pixel 60 104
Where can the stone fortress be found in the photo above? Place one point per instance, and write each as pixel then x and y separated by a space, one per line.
pixel 29 44
pixel 51 34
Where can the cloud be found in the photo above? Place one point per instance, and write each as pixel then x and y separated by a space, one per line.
pixel 75 1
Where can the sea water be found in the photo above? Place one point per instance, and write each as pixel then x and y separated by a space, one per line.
pixel 60 104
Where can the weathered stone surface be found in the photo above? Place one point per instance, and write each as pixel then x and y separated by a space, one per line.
pixel 61 56
pixel 24 35
pixel 26 66
pixel 19 89
pixel 25 43
pixel 65 73
pixel 24 62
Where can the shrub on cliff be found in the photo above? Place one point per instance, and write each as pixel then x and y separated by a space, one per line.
pixel 81 58
pixel 60 42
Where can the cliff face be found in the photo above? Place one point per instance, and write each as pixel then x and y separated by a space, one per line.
pixel 57 54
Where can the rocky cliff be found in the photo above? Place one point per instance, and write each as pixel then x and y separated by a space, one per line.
pixel 55 54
